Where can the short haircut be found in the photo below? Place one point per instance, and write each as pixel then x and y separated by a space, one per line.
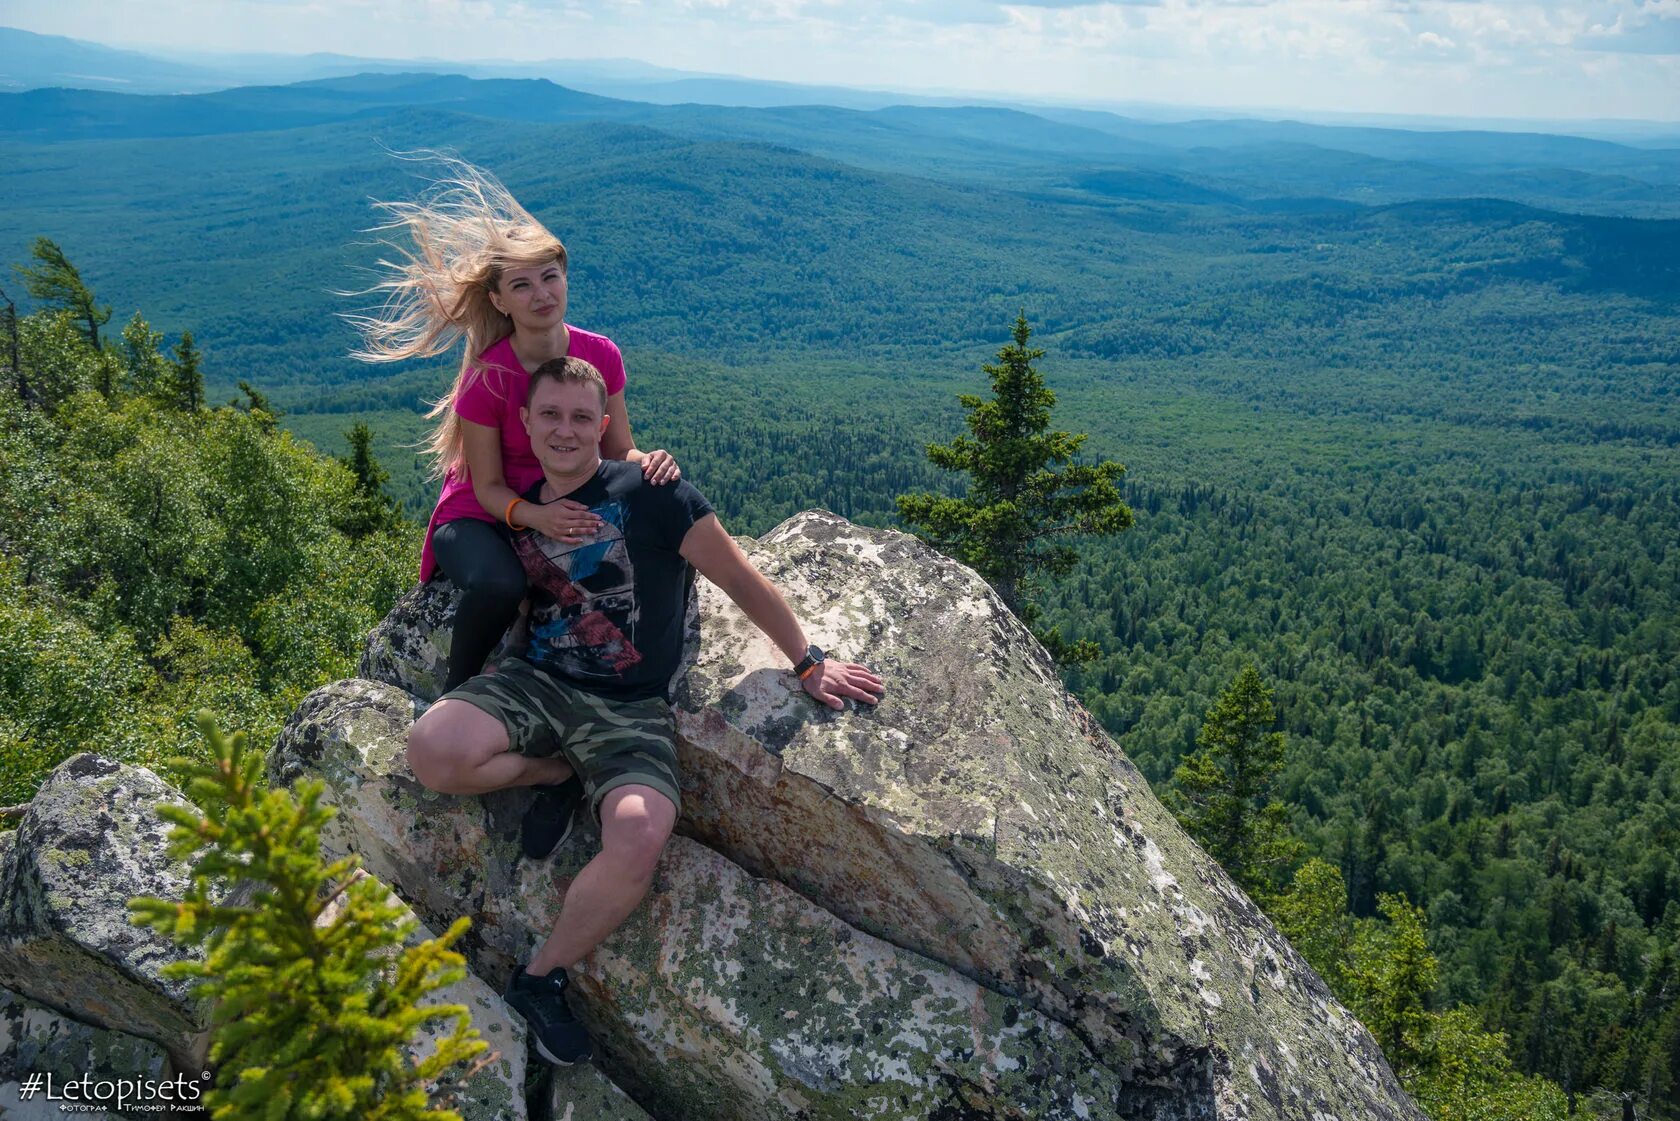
pixel 568 371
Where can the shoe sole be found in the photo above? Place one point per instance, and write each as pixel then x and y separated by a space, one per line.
pixel 557 1061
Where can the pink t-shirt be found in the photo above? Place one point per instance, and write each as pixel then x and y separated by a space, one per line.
pixel 494 399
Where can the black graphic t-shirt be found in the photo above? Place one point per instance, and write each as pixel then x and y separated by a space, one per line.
pixel 607 610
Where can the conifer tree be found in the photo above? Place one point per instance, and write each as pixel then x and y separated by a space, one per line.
pixel 311 1018
pixel 186 386
pixel 57 283
pixel 148 370
pixel 1025 493
pixel 258 405
pixel 1226 785
pixel 1391 978
pixel 374 508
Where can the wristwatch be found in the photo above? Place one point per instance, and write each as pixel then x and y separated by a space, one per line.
pixel 814 657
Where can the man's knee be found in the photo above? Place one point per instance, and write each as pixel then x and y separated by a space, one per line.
pixel 635 827
pixel 428 755
pixel 448 741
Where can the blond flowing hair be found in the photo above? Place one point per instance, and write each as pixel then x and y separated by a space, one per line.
pixel 463 232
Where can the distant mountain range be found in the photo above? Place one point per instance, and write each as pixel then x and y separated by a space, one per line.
pixel 32 61
pixel 1058 151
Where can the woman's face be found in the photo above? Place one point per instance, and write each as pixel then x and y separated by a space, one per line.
pixel 534 298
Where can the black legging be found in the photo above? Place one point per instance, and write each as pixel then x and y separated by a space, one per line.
pixel 478 557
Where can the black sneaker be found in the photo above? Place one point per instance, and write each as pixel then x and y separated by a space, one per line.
pixel 542 1001
pixel 549 820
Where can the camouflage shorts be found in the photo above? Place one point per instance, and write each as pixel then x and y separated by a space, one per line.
pixel 608 743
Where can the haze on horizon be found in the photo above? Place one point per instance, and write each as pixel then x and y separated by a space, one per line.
pixel 1544 59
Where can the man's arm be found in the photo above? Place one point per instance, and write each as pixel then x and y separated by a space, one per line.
pixel 714 553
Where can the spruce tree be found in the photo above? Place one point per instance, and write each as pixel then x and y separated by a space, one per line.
pixel 1225 786
pixel 1392 977
pixel 186 385
pixel 312 1019
pixel 373 508
pixel 149 372
pixel 1025 496
pixel 57 283
pixel 256 403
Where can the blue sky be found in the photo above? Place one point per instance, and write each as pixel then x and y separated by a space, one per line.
pixel 1484 58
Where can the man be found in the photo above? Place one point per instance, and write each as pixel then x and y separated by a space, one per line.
pixel 589 697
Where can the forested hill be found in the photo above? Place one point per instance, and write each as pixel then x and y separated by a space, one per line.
pixel 1402 420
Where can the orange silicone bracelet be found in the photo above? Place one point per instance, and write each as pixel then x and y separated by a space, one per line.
pixel 508 515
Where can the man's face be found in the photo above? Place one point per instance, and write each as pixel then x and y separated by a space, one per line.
pixel 565 423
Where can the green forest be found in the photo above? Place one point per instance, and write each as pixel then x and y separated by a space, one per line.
pixel 1417 463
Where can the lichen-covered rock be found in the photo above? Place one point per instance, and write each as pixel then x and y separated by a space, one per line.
pixel 494 1088
pixel 730 998
pixel 90 841
pixel 35 1039
pixel 979 817
pixel 582 1093
pixel 725 996
pixel 441 853
pixel 410 646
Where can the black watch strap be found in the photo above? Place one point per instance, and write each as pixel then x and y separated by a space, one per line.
pixel 813 655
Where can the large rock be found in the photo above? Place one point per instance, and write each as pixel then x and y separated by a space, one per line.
pixel 582 1093
pixel 979 817
pixel 90 841
pixel 36 1040
pixel 726 997
pixel 977 821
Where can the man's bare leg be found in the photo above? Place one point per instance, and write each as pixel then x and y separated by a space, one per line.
pixel 636 821
pixel 458 748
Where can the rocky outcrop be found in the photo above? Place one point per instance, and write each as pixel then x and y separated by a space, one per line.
pixel 90 841
pixel 964 903
pixel 87 994
pixel 36 1040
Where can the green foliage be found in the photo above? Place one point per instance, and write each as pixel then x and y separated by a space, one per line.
pixel 317 1003
pixel 156 560
pixel 1313 914
pixel 1025 496
pixel 372 508
pixel 185 387
pixel 1464 1074
pixel 148 372
pixel 58 285
pixel 1391 978
pixel 1385 972
pixel 1225 786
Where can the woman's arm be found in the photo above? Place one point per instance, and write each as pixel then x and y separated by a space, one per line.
pixel 618 443
pixel 483 448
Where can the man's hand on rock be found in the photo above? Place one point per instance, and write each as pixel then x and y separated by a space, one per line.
pixel 832 682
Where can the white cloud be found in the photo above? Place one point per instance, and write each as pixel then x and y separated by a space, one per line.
pixel 1485 57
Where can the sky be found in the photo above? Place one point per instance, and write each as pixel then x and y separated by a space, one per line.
pixel 1555 59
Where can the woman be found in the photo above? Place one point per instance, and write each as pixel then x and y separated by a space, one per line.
pixel 481 268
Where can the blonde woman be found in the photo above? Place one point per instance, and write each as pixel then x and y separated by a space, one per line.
pixel 478 268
